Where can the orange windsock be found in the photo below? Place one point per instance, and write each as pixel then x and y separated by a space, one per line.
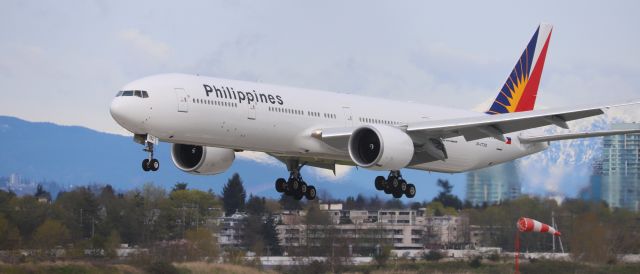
pixel 531 225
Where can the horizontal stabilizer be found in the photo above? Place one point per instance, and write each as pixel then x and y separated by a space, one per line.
pixel 579 135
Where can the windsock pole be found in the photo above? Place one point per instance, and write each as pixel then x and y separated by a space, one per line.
pixel 517 249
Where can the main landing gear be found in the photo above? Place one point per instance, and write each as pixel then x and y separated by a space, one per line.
pixel 150 164
pixel 395 185
pixel 295 186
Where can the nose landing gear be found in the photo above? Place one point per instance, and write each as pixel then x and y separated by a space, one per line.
pixel 150 163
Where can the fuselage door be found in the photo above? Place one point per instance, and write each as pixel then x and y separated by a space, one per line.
pixel 252 111
pixel 183 102
pixel 348 116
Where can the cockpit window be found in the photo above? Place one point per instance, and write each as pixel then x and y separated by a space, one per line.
pixel 137 93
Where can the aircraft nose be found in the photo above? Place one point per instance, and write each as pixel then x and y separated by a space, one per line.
pixel 128 114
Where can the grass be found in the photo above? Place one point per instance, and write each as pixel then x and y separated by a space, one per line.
pixel 202 268
pixel 406 267
pixel 542 266
pixel 67 268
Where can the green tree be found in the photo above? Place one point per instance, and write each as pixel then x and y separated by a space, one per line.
pixel 233 195
pixel 382 255
pixel 202 244
pixel 394 204
pixel 445 197
pixel 360 202
pixel 78 211
pixel 27 214
pixel 350 203
pixel 256 205
pixel 588 240
pixel 289 203
pixel 179 186
pixel 9 235
pixel 50 234
pixel 253 234
pixel 375 203
pixel 112 244
pixel 41 193
pixel 270 236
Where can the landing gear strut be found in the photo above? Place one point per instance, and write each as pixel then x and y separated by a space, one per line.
pixel 150 163
pixel 295 186
pixel 395 185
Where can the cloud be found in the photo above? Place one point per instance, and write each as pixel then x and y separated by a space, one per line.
pixel 341 173
pixel 144 44
pixel 258 157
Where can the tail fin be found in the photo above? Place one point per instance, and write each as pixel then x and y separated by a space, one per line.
pixel 520 90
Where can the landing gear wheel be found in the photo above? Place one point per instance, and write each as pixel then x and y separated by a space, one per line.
pixel 311 193
pixel 393 182
pixel 300 192
pixel 294 186
pixel 387 189
pixel 397 194
pixel 154 165
pixel 303 188
pixel 145 165
pixel 411 191
pixel 395 185
pixel 402 186
pixel 281 185
pixel 379 182
pixel 150 163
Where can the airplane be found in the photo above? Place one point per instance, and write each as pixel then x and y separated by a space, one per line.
pixel 208 119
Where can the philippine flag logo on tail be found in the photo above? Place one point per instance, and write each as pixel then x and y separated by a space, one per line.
pixel 520 90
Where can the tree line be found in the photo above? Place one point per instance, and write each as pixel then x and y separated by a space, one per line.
pixel 179 224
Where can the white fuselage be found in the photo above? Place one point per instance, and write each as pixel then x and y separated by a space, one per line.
pixel 279 120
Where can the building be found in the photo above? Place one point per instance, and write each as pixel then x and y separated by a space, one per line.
pixel 494 184
pixel 364 231
pixel 231 230
pixel 616 177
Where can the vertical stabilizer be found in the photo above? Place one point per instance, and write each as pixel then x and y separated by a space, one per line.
pixel 521 88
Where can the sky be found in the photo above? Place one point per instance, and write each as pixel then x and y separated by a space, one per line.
pixel 63 61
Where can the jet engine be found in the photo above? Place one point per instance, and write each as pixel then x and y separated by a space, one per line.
pixel 380 147
pixel 201 160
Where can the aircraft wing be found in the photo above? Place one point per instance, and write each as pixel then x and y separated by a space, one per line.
pixel 578 135
pixel 483 126
pixel 474 128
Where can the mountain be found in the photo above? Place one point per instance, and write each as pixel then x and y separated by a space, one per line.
pixel 72 155
pixel 565 166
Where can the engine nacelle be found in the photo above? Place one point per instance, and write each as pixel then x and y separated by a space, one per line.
pixel 380 147
pixel 201 160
